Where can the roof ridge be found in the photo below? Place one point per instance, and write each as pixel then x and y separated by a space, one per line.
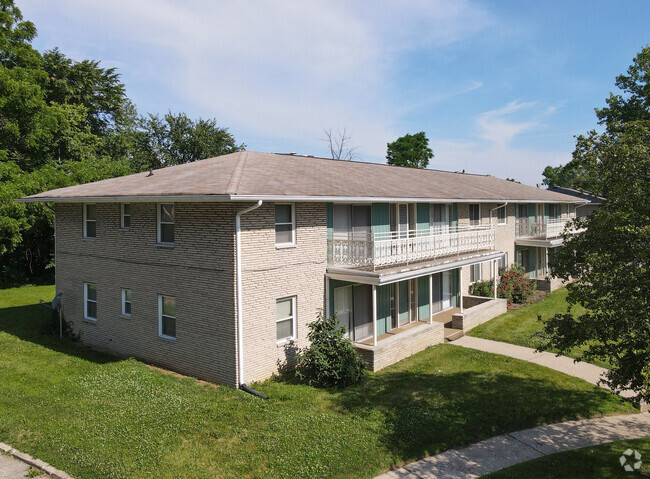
pixel 235 178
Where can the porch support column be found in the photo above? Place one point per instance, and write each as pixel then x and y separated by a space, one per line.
pixel 327 298
pixel 494 265
pixel 430 298
pixel 460 287
pixel 374 315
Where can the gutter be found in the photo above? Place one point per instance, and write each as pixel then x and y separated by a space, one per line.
pixel 240 313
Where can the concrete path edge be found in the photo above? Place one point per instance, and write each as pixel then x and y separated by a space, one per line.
pixel 37 463
pixel 506 450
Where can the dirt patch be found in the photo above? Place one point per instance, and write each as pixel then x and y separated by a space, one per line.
pixel 537 296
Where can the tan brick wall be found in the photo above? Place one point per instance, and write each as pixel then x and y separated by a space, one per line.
pixel 198 271
pixel 271 273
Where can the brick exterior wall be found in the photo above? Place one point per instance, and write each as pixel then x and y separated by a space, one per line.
pixel 270 273
pixel 198 271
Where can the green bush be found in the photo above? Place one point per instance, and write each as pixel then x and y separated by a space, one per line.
pixel 331 360
pixel 513 286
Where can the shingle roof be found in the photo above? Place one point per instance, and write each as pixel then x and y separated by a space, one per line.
pixel 252 175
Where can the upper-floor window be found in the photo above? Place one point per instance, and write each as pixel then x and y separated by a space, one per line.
pixel 501 216
pixel 554 212
pixel 166 220
pixel 90 221
pixel 440 218
pixel 352 222
pixel 474 214
pixel 90 301
pixel 285 319
pixel 126 302
pixel 285 225
pixel 125 215
pixel 167 316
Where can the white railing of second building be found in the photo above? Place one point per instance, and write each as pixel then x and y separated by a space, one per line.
pixel 383 249
pixel 552 229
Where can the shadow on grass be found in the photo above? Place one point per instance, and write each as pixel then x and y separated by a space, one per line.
pixel 30 323
pixel 425 413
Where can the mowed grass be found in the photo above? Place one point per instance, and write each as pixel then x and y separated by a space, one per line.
pixel 94 415
pixel 597 462
pixel 523 328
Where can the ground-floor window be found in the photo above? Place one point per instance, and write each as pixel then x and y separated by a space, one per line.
pixel 285 319
pixel 475 273
pixel 167 317
pixel 90 301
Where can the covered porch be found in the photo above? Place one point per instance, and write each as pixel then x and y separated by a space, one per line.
pixel 394 313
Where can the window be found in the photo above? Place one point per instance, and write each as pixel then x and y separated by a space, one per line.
pixel 352 222
pixel 503 261
pixel 90 301
pixel 440 218
pixel 474 214
pixel 475 273
pixel 501 216
pixel 285 225
pixel 90 221
pixel 167 317
pixel 285 319
pixel 126 303
pixel 126 216
pixel 166 223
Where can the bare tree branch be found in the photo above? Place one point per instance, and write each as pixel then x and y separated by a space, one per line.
pixel 339 143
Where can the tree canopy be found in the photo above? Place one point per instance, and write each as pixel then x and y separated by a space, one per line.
pixel 64 122
pixel 410 150
pixel 610 261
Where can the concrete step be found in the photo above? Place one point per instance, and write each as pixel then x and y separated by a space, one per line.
pixel 452 334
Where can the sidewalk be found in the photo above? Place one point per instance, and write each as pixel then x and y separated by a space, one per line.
pixel 585 371
pixel 509 449
pixel 11 468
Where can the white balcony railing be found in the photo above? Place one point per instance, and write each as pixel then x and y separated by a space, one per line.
pixel 383 249
pixel 552 229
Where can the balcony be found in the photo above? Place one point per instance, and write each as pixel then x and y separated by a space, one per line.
pixel 404 247
pixel 544 231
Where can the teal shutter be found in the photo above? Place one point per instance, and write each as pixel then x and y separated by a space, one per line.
pixel 454 215
pixel 546 212
pixel 422 219
pixel 380 217
pixel 330 220
pixel 383 309
pixel 531 213
pixel 403 291
pixel 423 298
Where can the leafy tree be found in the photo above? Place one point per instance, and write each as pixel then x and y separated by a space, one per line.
pixel 631 105
pixel 176 139
pixel 610 262
pixel 331 360
pixel 410 150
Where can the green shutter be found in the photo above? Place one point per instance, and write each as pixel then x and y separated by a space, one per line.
pixel 423 298
pixel 422 219
pixel 403 291
pixel 380 218
pixel 531 213
pixel 454 215
pixel 330 220
pixel 383 309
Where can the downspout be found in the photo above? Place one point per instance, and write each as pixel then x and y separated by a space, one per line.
pixel 240 314
pixel 493 209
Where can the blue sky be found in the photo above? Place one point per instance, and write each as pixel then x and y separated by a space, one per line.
pixel 499 87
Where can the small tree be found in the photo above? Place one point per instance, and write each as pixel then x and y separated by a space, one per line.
pixel 410 150
pixel 331 359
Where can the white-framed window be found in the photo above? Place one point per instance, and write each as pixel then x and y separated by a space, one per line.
pixel 125 215
pixel 503 261
pixel 166 317
pixel 90 221
pixel 285 319
pixel 166 220
pixel 474 214
pixel 90 301
pixel 502 217
pixel 126 302
pixel 285 225
pixel 475 273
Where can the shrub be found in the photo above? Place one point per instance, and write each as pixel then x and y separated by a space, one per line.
pixel 513 286
pixel 331 360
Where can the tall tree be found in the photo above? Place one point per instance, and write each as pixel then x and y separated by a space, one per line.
pixel 409 150
pixel 633 103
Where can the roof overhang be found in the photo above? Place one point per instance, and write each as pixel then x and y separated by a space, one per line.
pixel 539 243
pixel 272 198
pixel 393 275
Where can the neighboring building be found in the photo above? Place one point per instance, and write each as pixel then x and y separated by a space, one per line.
pixel 215 268
pixel 590 201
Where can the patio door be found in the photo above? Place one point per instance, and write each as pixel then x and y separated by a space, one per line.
pixel 441 218
pixel 362 307
pixel 403 303
pixel 447 277
pixel 343 307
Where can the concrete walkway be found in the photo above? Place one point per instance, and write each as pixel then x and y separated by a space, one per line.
pixel 566 365
pixel 11 468
pixel 509 449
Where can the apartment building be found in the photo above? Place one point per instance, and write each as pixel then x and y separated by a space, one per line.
pixel 215 268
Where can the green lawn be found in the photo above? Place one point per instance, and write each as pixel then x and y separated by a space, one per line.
pixel 589 463
pixel 522 327
pixel 94 415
